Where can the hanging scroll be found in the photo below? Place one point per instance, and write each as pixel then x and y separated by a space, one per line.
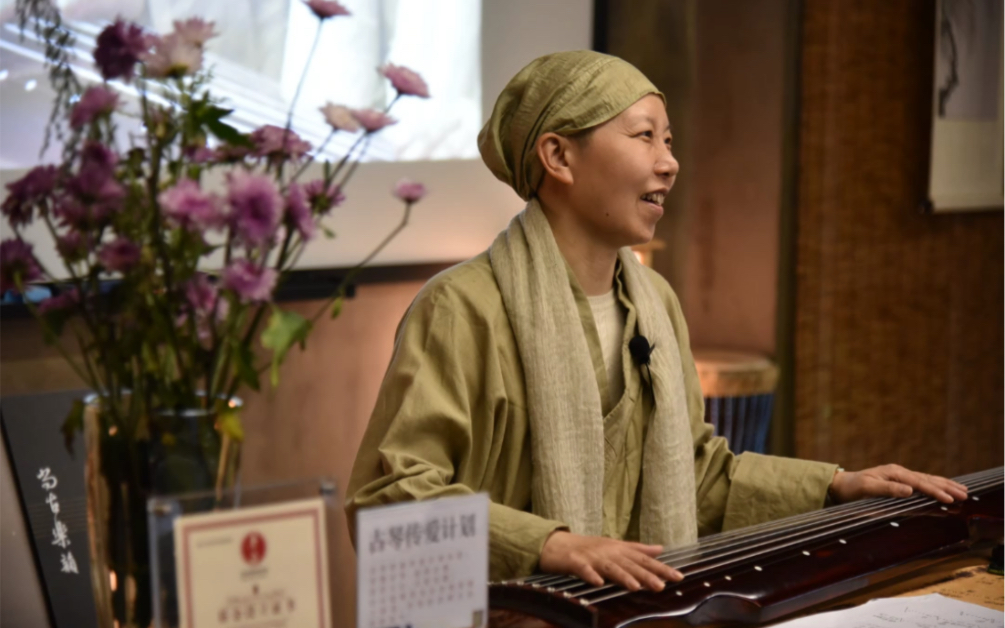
pixel 966 162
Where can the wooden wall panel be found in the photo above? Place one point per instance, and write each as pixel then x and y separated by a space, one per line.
pixel 898 332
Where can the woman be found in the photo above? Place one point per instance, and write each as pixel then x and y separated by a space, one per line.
pixel 512 372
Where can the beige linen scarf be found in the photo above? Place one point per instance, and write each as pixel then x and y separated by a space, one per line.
pixel 566 420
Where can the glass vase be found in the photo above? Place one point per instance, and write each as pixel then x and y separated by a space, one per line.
pixel 181 451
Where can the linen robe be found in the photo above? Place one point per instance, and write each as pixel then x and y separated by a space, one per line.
pixel 451 419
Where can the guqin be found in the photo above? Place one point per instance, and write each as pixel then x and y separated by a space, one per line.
pixel 766 572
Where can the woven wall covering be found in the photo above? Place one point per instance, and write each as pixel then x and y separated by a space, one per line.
pixel 899 315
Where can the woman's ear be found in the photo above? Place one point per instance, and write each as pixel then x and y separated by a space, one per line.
pixel 553 151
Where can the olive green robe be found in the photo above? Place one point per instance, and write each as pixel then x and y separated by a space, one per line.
pixel 451 419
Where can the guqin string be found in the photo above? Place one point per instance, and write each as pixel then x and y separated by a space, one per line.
pixel 724 549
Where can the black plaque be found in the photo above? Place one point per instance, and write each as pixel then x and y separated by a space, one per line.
pixel 50 485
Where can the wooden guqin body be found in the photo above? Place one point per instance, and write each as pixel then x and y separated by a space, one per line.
pixel 766 572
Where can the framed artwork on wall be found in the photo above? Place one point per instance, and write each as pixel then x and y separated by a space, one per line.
pixel 966 168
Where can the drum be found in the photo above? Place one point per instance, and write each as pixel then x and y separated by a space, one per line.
pixel 739 391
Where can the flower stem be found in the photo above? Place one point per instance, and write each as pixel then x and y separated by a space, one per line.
pixel 296 94
pixel 340 292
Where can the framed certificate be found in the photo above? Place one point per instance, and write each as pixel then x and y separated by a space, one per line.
pixel 242 567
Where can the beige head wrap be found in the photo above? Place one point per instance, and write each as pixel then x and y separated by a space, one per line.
pixel 562 93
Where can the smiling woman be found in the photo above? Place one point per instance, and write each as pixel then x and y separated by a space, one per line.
pixel 608 193
pixel 513 372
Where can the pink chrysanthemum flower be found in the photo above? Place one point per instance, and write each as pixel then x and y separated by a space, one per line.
pixel 203 298
pixel 409 191
pixel 339 118
pixel 28 191
pixel 97 101
pixel 120 46
pixel 119 255
pixel 195 31
pixel 406 81
pixel 199 154
pixel 173 56
pixel 277 143
pixel 298 212
pixel 372 120
pixel 322 198
pixel 250 282
pixel 61 301
pixel 73 246
pixel 325 9
pixel 17 260
pixel 187 206
pixel 256 207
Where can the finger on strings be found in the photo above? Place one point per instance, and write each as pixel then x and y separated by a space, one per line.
pixel 643 576
pixel 614 573
pixel 886 488
pixel 926 484
pixel 955 489
pixel 588 574
pixel 664 571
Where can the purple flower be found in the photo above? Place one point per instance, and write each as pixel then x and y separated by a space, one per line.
pixel 409 191
pixel 119 48
pixel 372 120
pixel 17 261
pixel 248 281
pixel 277 143
pixel 97 155
pixel 173 56
pixel 73 246
pixel 340 118
pixel 230 153
pixel 199 154
pixel 61 301
pixel 28 191
pixel 119 255
pixel 255 205
pixel 323 199
pixel 188 207
pixel 407 82
pixel 95 102
pixel 203 297
pixel 298 212
pixel 95 183
pixel 325 9
pixel 195 31
pixel 74 214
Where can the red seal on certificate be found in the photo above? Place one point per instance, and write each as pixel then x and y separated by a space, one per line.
pixel 253 548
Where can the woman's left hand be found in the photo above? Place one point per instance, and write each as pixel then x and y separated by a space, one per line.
pixel 892 480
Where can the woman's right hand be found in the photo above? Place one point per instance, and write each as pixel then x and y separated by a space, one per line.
pixel 596 559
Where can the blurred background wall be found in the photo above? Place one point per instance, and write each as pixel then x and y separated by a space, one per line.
pixel 794 229
pixel 803 131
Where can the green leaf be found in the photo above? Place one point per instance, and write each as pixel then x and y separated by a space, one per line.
pixel 229 423
pixel 244 359
pixel 337 307
pixel 227 133
pixel 73 423
pixel 215 113
pixel 328 232
pixel 284 329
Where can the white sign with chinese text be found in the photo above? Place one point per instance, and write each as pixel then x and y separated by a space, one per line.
pixel 423 564
pixel 261 566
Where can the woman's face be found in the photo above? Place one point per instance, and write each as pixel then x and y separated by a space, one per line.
pixel 621 173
